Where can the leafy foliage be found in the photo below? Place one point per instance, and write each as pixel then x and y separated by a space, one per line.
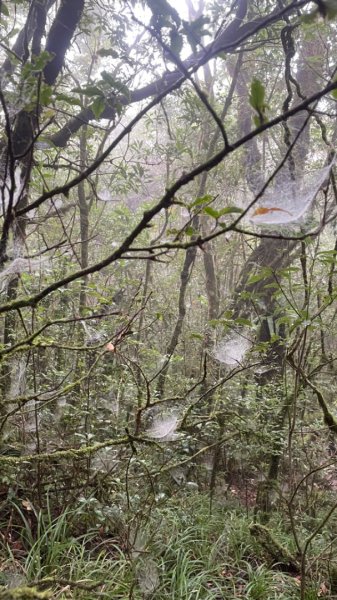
pixel 167 380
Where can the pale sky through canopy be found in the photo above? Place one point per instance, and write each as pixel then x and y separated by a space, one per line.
pixel 181 7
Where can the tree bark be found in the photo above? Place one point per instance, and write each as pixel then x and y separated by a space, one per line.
pixel 274 255
pixel 18 155
pixel 84 222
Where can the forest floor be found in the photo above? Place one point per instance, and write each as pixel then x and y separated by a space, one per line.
pixel 172 549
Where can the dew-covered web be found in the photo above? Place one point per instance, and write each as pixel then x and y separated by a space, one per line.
pixel 104 195
pixel 22 265
pixel 18 379
pixel 289 199
pixel 162 423
pixel 164 428
pixel 285 203
pixel 147 576
pixel 10 191
pixel 93 336
pixel 233 348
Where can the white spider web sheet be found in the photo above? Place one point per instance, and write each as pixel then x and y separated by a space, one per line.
pixel 289 201
pixel 11 190
pixel 164 428
pixel 232 349
pixel 22 265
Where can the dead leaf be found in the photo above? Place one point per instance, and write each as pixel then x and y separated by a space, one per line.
pixel 27 505
pixel 323 590
pixel 263 210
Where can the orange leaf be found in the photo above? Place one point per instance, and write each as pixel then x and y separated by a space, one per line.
pixel 263 210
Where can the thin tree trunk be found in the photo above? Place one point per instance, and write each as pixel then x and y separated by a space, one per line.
pixel 274 255
pixel 84 221
pixel 185 276
pixel 17 156
pixel 209 264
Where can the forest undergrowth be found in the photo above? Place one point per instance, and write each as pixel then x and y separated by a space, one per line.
pixel 168 288
pixel 178 550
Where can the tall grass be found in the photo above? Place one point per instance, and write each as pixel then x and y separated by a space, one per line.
pixel 185 554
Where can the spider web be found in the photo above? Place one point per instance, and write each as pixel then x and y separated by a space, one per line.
pixel 290 199
pixel 164 428
pixel 232 349
pixel 9 191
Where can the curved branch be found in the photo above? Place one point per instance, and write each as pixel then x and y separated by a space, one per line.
pixel 60 36
pixel 227 41
pixel 166 201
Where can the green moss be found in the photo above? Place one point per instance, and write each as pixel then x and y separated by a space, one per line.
pixel 25 593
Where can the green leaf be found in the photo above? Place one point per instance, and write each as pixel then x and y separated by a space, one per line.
pixel 212 212
pixel 257 121
pixel 122 88
pixel 98 106
pixel 257 94
pixel 327 256
pixel 195 31
pixel 334 92
pixel 107 52
pixel 310 17
pixel 42 60
pixel 242 321
pixel 68 99
pixel 263 274
pixel 4 10
pixel 45 94
pixel 230 209
pixel 89 90
pixel 163 8
pixel 197 336
pixel 256 278
pixel 109 79
pixel 115 84
pixel 176 42
pixel 202 200
pixel 272 286
pixel 257 101
pixel 118 106
pixel 214 322
pixel 285 320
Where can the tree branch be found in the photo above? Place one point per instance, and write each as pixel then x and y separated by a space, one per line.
pixel 227 41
